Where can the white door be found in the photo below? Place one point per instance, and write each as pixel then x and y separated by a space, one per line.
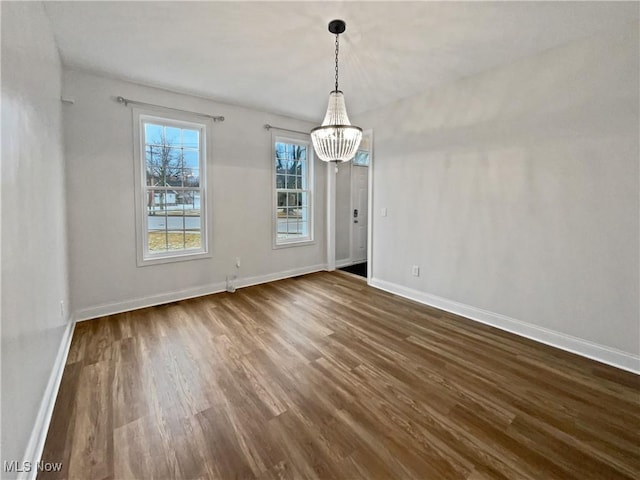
pixel 359 213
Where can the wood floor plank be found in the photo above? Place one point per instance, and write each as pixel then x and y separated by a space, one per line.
pixel 91 452
pixel 322 376
pixel 62 427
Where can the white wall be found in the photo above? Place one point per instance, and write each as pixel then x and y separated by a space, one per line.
pixel 100 198
pixel 516 192
pixel 34 261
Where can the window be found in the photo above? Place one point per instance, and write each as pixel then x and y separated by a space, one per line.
pixel 171 190
pixel 361 158
pixel 293 178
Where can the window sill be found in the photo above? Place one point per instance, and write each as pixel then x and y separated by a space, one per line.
pixel 179 257
pixel 294 243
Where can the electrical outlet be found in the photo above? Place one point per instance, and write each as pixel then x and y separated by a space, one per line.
pixel 415 271
pixel 383 212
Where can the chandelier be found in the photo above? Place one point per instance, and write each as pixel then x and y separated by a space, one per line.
pixel 336 140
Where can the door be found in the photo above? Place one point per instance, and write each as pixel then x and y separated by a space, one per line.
pixel 359 213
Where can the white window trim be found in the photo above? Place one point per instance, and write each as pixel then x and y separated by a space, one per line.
pixel 292 242
pixel 178 120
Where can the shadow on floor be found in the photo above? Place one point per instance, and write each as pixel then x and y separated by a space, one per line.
pixel 358 269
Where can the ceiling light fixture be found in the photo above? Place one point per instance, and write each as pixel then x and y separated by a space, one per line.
pixel 336 140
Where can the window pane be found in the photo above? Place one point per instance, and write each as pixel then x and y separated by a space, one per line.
pixel 157 241
pixel 173 178
pixel 291 181
pixel 175 224
pixel 192 239
pixel 171 166
pixel 280 157
pixel 361 158
pixel 172 136
pixel 165 165
pixel 156 203
pixel 190 138
pixel 191 177
pixel 291 203
pixel 152 161
pixel 190 158
pixel 303 176
pixel 175 240
pixel 176 157
pixel 175 228
pixel 282 227
pixel 150 155
pixel 157 207
pixel 190 201
pixel 153 133
pixel 295 228
pixel 304 214
pixel 156 221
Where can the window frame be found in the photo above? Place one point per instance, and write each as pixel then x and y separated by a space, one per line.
pixel 178 120
pixel 303 140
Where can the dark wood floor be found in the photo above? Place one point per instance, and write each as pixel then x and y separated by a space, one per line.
pixel 324 377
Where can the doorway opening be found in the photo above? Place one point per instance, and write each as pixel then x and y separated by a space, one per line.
pixel 352 211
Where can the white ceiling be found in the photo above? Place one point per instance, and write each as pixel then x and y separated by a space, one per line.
pixel 278 56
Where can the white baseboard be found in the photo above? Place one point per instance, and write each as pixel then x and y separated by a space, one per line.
pixel 585 348
pixel 149 301
pixel 272 277
pixel 38 436
pixel 347 261
pixel 343 263
pixel 168 297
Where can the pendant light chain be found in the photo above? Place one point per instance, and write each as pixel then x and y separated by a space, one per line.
pixel 337 49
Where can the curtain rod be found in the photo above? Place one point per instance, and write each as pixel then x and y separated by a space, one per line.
pixel 269 127
pixel 127 101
